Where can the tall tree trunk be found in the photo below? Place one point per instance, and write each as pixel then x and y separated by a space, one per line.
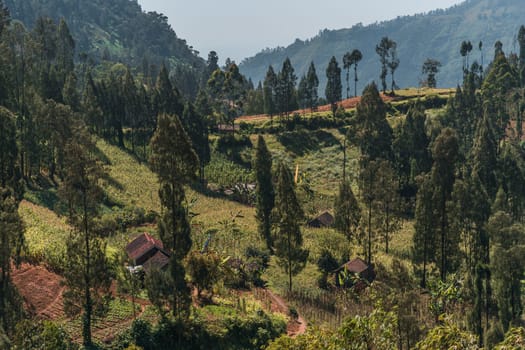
pixel 369 257
pixel 347 82
pixel 425 248
pixel 86 324
pixel 355 80
pixel 443 239
pixel 289 262
pixel 387 209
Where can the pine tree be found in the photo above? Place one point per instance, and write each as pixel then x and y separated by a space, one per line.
pixel 175 163
pixel 197 130
pixel 204 108
pixel 511 179
pixel 287 238
pixel 11 242
pixel 5 17
pixel 285 91
pixel 312 87
pixel 500 80
pixel 168 98
pixel 387 202
pixel 57 123
pixel 91 110
pixel 70 94
pixel 507 264
pixel 11 226
pixel 302 93
pixel 234 90
pixel 410 149
pixel 270 90
pixel 87 273
pixel 445 153
pixel 347 211
pixel 424 235
pixel 484 156
pixel 265 196
pixel 129 94
pixel 8 148
pixel 65 51
pixel 370 130
pixel 368 182
pixel 521 67
pixel 333 84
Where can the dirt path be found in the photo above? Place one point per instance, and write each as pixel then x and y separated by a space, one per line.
pixel 278 304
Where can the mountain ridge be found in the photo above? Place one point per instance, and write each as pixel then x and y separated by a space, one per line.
pixel 100 28
pixel 437 34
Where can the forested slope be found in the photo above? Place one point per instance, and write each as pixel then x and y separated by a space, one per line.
pixel 101 28
pixel 437 35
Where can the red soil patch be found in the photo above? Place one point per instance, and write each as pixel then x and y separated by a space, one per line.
pixel 41 291
pixel 347 104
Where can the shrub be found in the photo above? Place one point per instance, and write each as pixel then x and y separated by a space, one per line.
pixel 141 334
pixel 46 335
pixel 204 270
pixel 292 312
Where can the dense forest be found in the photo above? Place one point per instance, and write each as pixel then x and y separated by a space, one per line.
pixel 108 31
pixel 97 157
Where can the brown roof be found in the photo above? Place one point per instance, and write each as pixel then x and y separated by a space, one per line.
pixel 324 220
pixel 141 245
pixel 158 261
pixel 356 266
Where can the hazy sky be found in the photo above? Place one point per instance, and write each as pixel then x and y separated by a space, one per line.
pixel 241 28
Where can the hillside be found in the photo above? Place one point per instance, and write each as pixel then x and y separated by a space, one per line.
pixel 102 27
pixel 437 34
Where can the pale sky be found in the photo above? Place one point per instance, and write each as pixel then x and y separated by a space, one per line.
pixel 241 28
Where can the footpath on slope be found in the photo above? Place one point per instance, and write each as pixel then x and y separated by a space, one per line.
pixel 294 327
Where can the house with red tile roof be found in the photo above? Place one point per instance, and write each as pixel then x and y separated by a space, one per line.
pixel 147 251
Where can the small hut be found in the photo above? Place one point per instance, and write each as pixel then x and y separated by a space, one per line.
pixel 354 274
pixel 324 220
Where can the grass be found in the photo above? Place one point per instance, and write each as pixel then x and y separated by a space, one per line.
pixel 45 233
pixel 131 183
pixel 318 155
pixel 414 92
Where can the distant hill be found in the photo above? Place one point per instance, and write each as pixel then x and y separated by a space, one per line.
pixel 437 34
pixel 118 28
